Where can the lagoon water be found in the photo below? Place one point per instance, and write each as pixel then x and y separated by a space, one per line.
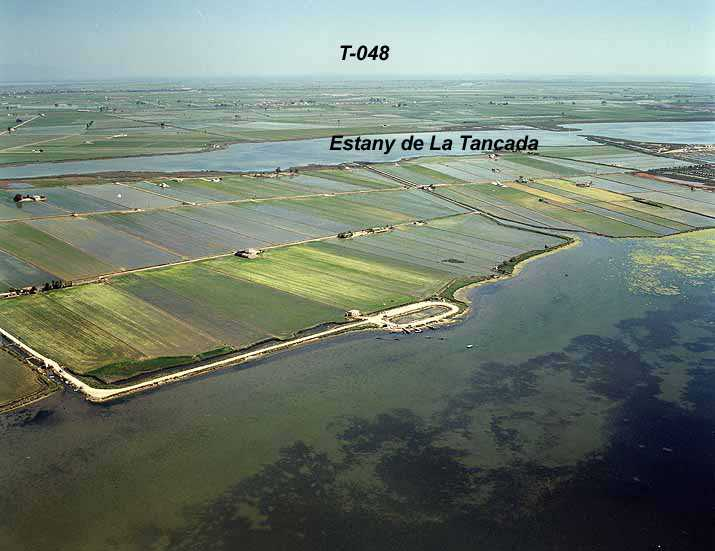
pixel 581 418
pixel 697 132
pixel 268 156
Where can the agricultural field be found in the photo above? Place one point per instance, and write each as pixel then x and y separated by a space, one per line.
pixel 15 273
pixel 94 326
pixel 549 161
pixel 108 228
pixel 326 273
pixel 140 322
pixel 461 246
pixel 555 203
pixel 48 253
pixel 432 221
pixel 237 312
pixel 610 156
pixel 557 193
pixel 17 380
pixel 86 230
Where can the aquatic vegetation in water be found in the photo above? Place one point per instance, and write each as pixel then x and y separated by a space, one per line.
pixel 665 266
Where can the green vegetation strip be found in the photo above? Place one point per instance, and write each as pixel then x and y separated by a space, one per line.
pixel 127 369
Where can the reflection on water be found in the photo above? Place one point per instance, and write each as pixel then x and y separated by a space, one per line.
pixel 581 418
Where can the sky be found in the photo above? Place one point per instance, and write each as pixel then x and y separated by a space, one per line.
pixel 46 40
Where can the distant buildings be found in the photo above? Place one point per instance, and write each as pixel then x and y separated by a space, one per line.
pixel 28 198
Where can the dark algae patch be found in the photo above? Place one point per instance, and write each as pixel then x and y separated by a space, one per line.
pixel 651 487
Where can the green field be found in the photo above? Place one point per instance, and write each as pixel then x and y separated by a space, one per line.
pixel 239 311
pixel 560 203
pixel 328 274
pixel 171 316
pixel 17 380
pixel 90 326
pixel 544 164
pixel 229 302
pixel 48 253
pixel 151 320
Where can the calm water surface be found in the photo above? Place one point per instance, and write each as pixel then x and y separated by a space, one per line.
pixel 583 417
pixel 697 132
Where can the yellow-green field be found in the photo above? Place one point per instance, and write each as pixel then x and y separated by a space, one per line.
pixel 328 274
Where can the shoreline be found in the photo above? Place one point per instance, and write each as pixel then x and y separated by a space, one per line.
pixel 462 293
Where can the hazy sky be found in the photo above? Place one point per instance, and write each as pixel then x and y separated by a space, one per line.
pixel 70 39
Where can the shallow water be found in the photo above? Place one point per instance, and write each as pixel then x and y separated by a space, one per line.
pixel 696 132
pixel 582 417
pixel 268 156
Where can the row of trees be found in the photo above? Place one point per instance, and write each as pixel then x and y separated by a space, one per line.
pixel 47 286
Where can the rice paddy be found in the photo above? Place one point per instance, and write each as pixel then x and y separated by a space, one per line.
pixel 113 227
pixel 325 273
pixel 460 246
pixel 91 326
pixel 14 273
pixel 432 221
pixel 17 381
pixel 136 322
pixel 561 194
pixel 95 229
pixel 49 253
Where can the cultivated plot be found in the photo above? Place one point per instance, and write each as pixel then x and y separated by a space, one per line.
pixel 17 380
pixel 587 205
pixel 14 273
pixel 93 326
pixel 48 253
